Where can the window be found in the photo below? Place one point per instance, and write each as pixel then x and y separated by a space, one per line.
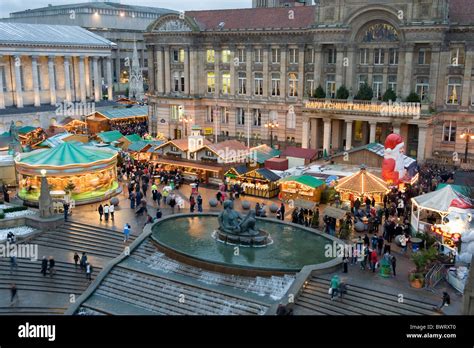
pixel 225 115
pixel 258 55
pixel 211 82
pixel 392 82
pixel 174 112
pixel 209 153
pixel 330 86
pixel 362 80
pixel 226 83
pixel 309 89
pixel 175 56
pixel 457 56
pixel 3 77
pixel 257 117
pixel 422 87
pixel 273 116
pixel 275 84
pixel 182 82
pixel 393 56
pixel 310 56
pixel 379 56
pixel 211 111
pixel 225 56
pixel 241 55
pixel 291 119
pixel 364 56
pixel 176 80
pixel 377 86
pixel 240 116
pixel 449 131
pixel 275 55
pixel 293 56
pixel 242 83
pixel 181 55
pixel 454 91
pixel 258 84
pixel 424 56
pixel 331 56
pixel 210 56
pixel 293 85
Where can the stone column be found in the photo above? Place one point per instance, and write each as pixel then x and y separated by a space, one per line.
pixel 301 76
pixel 407 74
pixel 466 87
pixel 151 69
pixel 350 69
pixel 88 68
pixel 434 69
pixel 217 71
pixel 314 133
pixel 305 135
pixel 160 78
pixel 193 69
pixel 373 130
pixel 52 80
pixel 167 71
pixel 266 52
pixel 117 67
pixel 232 72
pixel 67 79
pixel 82 81
pixel 317 65
pixel 396 127
pixel 248 73
pixel 348 135
pixel 327 135
pixel 400 72
pixel 2 95
pixel 97 84
pixel 283 77
pixel 110 82
pixel 18 90
pixel 339 66
pixel 36 86
pixel 187 78
pixel 336 134
pixel 422 130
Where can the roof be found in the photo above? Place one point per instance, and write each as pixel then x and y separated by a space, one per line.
pixel 268 174
pixel 379 150
pixel 307 180
pixel 262 153
pixel 64 155
pixel 45 34
pixel 228 148
pixel 110 136
pixel 134 137
pixel 26 129
pixel 361 183
pixel 241 170
pixel 334 212
pixel 462 189
pixel 461 11
pixel 254 18
pixel 55 140
pixel 299 152
pixel 439 200
pixel 181 144
pixel 116 113
pixel 139 146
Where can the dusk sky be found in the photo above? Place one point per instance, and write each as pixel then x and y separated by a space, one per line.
pixel 7 6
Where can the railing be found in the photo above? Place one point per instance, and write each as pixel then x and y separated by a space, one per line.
pixel 435 275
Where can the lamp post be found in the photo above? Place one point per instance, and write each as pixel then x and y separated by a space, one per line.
pixel 186 120
pixel 271 125
pixel 468 136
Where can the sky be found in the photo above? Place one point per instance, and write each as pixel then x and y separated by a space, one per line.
pixel 7 6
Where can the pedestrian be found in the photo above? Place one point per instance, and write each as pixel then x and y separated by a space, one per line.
pixel 192 203
pixel 380 244
pixel 66 210
pixel 126 232
pixel 373 260
pixel 282 211
pixel 44 266
pixel 106 212
pixel 132 200
pixel 342 288
pixel 345 262
pixel 393 261
pixel 111 211
pixel 219 196
pixel 199 203
pixel 446 301
pixel 89 271
pixel 101 211
pixel 52 263
pixel 139 197
pixel 334 286
pixel 13 263
pixel 172 203
pixel 13 294
pixel 158 213
pixel 76 259
pixel 364 258
pixel 403 243
pixel 158 198
pixel 83 262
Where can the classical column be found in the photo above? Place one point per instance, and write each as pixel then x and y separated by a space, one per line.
pixel 52 80
pixel 160 78
pixel 36 86
pixel 233 76
pixel 193 68
pixel 314 133
pixel 151 69
pixel 317 65
pixel 67 79
pixel 2 95
pixel 88 68
pixel 248 65
pixel 117 67
pixel 327 135
pixel 350 69
pixel 466 87
pixel 187 78
pixel 301 76
pixel 18 90
pixel 305 135
pixel 217 71
pixel 266 79
pixel 339 66
pixel 110 82
pixel 348 135
pixel 97 84
pixel 407 74
pixel 336 135
pixel 82 81
pixel 373 130
pixel 167 70
pixel 434 70
pixel 283 77
pixel 422 130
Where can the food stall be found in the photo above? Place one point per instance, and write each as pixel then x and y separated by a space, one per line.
pixel 301 187
pixel 259 182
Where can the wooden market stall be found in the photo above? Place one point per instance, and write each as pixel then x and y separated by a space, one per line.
pixel 361 185
pixel 31 136
pixel 118 118
pixel 301 187
pixel 70 125
pixel 259 182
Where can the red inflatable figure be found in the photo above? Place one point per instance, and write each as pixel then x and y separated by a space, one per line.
pixel 393 168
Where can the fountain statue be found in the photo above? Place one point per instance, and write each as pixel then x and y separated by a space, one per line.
pixel 235 228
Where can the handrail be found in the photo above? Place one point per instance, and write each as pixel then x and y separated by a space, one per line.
pixel 434 276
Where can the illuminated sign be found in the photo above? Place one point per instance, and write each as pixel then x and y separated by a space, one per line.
pixel 383 109
pixel 208 131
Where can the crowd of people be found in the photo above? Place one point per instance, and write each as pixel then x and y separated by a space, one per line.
pixel 131 127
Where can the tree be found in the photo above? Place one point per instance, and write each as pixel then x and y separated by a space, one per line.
pixel 342 93
pixel 69 187
pixel 365 92
pixel 413 97
pixel 389 95
pixel 319 92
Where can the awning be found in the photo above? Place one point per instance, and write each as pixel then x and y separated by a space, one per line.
pixel 335 213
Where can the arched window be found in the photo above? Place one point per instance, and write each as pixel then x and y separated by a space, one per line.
pixel 291 119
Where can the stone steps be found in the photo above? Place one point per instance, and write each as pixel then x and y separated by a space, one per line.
pixel 31 311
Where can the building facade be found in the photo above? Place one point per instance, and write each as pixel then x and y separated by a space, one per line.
pixel 281 3
pixel 233 71
pixel 120 23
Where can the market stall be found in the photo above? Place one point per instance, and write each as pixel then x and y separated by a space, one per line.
pixel 88 173
pixel 70 125
pixel 259 182
pixel 30 137
pixel 301 187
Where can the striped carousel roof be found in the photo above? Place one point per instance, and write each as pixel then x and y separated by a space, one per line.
pixel 361 183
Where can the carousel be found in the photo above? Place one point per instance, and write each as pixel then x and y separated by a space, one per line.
pixel 82 173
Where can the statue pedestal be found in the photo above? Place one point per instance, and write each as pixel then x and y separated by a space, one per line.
pixel 258 240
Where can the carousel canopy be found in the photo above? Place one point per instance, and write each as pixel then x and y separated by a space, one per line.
pixel 361 183
pixel 307 180
pixel 66 154
pixel 441 200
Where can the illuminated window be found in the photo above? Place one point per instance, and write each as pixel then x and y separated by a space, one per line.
pixel 293 85
pixel 226 56
pixel 211 82
pixel 181 55
pixel 242 83
pixel 225 83
pixel 358 133
pixel 454 91
pixel 449 131
pixel 258 84
pixel 275 84
pixel 422 87
pixel 210 56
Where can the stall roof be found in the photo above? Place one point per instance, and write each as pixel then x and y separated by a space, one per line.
pixel 334 212
pixel 139 146
pixel 262 153
pixel 307 180
pixel 440 200
pixel 117 113
pixel 110 136
pixel 267 174
pixel 462 189
pixel 362 182
pixel 299 152
pixel 134 137
pixel 26 129
pixel 65 154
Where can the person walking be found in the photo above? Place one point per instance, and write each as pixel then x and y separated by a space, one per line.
pixel 446 301
pixel 158 198
pixel 52 263
pixel 44 266
pixel 373 260
pixel 380 241
pixel 76 259
pixel 126 232
pixel 282 211
pixel 83 262
pixel 192 203
pixel 13 294
pixel 13 263
pixel 403 243
pixel 66 210
pixel 199 203
pixel 334 286
pixel 106 212
pixel 101 211
pixel 393 261
pixel 132 200
pixel 345 262
pixel 111 211
pixel 172 203
pixel 89 271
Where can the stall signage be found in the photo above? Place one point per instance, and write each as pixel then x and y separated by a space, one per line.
pixel 208 131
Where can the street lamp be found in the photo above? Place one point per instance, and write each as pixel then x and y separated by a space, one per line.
pixel 271 125
pixel 186 120
pixel 468 136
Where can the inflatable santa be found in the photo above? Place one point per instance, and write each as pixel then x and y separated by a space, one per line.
pixel 393 167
